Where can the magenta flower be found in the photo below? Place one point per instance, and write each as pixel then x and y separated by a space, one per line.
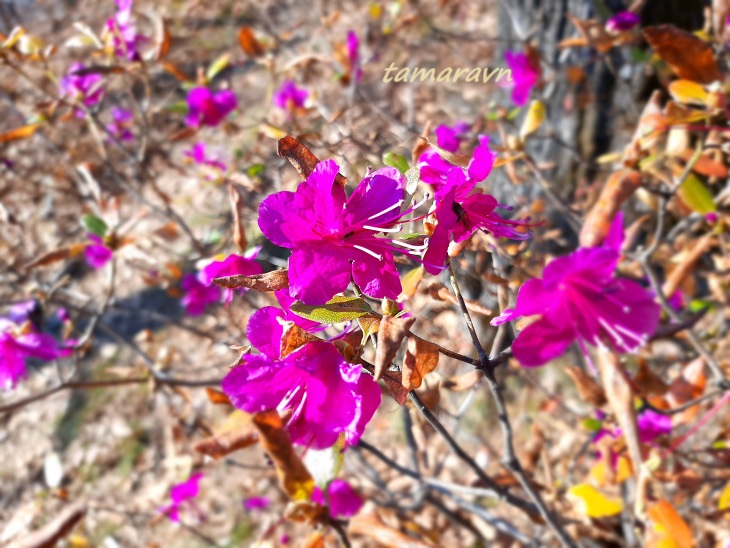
pixel 79 87
pixel 97 254
pixel 198 295
pixel 460 208
pixel 183 494
pixel 122 121
pixel 200 289
pixel 622 22
pixel 124 35
pixel 290 97
pixel 449 138
pixel 232 265
pixel 652 425
pixel 344 502
pixel 524 76
pixel 333 237
pixel 580 299
pixel 353 54
pixel 17 343
pixel 264 330
pixel 208 108
pixel 256 503
pixel 197 154
pixel 326 395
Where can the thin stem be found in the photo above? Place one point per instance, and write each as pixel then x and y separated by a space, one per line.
pixel 509 459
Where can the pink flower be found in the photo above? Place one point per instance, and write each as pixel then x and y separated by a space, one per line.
pixel 449 138
pixel 353 54
pixel 197 154
pixel 326 395
pixel 652 425
pixel 333 237
pixel 344 502
pixel 122 120
pixel 79 87
pixel 183 494
pixel 208 108
pixel 264 331
pixel 256 503
pixel 460 208
pixel 580 299
pixel 17 343
pixel 289 97
pixel 525 75
pixel 622 22
pixel 124 35
pixel 97 254
pixel 200 288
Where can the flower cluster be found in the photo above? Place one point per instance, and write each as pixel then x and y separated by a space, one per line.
pixel 207 108
pixel 122 33
pixel 289 97
pixel 78 86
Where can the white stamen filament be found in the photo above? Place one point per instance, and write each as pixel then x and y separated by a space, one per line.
pixel 287 399
pixel 613 332
pixel 401 243
pixel 369 252
pixel 641 339
pixel 376 229
pixel 391 208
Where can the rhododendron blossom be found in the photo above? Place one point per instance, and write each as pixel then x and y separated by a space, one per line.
pixel 449 137
pixel 19 342
pixel 200 289
pixel 333 237
pixel 207 108
pixel 97 253
pixel 198 154
pixel 183 494
pixel 525 74
pixel 622 22
pixel 122 121
pixel 290 97
pixel 460 209
pixel 344 502
pixel 326 395
pixel 85 88
pixel 123 33
pixel 353 55
pixel 580 299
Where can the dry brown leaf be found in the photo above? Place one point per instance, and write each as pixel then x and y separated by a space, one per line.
pixel 688 386
pixel 651 122
pixel 301 157
pixel 227 442
pixel 422 357
pixel 687 55
pixel 647 382
pixel 294 337
pixel 667 528
pixel 588 389
pixel 249 44
pixel 270 281
pixel 176 72
pixel 620 186
pixel 391 333
pixel 217 397
pixel 684 270
pixel 293 475
pixel 57 255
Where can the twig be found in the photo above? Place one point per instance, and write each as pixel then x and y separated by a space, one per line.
pixel 509 459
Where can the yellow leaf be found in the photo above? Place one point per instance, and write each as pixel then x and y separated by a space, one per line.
pixel 533 120
pixel 724 502
pixel 688 92
pixel 593 503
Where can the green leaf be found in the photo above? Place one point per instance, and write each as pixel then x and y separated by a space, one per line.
pixel 217 66
pixel 395 160
pixel 93 224
pixel 178 107
pixel 338 310
pixel 256 169
pixel 696 195
pixel 592 425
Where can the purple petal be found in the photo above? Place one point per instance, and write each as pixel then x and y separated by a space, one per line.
pixel 264 332
pixel 319 271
